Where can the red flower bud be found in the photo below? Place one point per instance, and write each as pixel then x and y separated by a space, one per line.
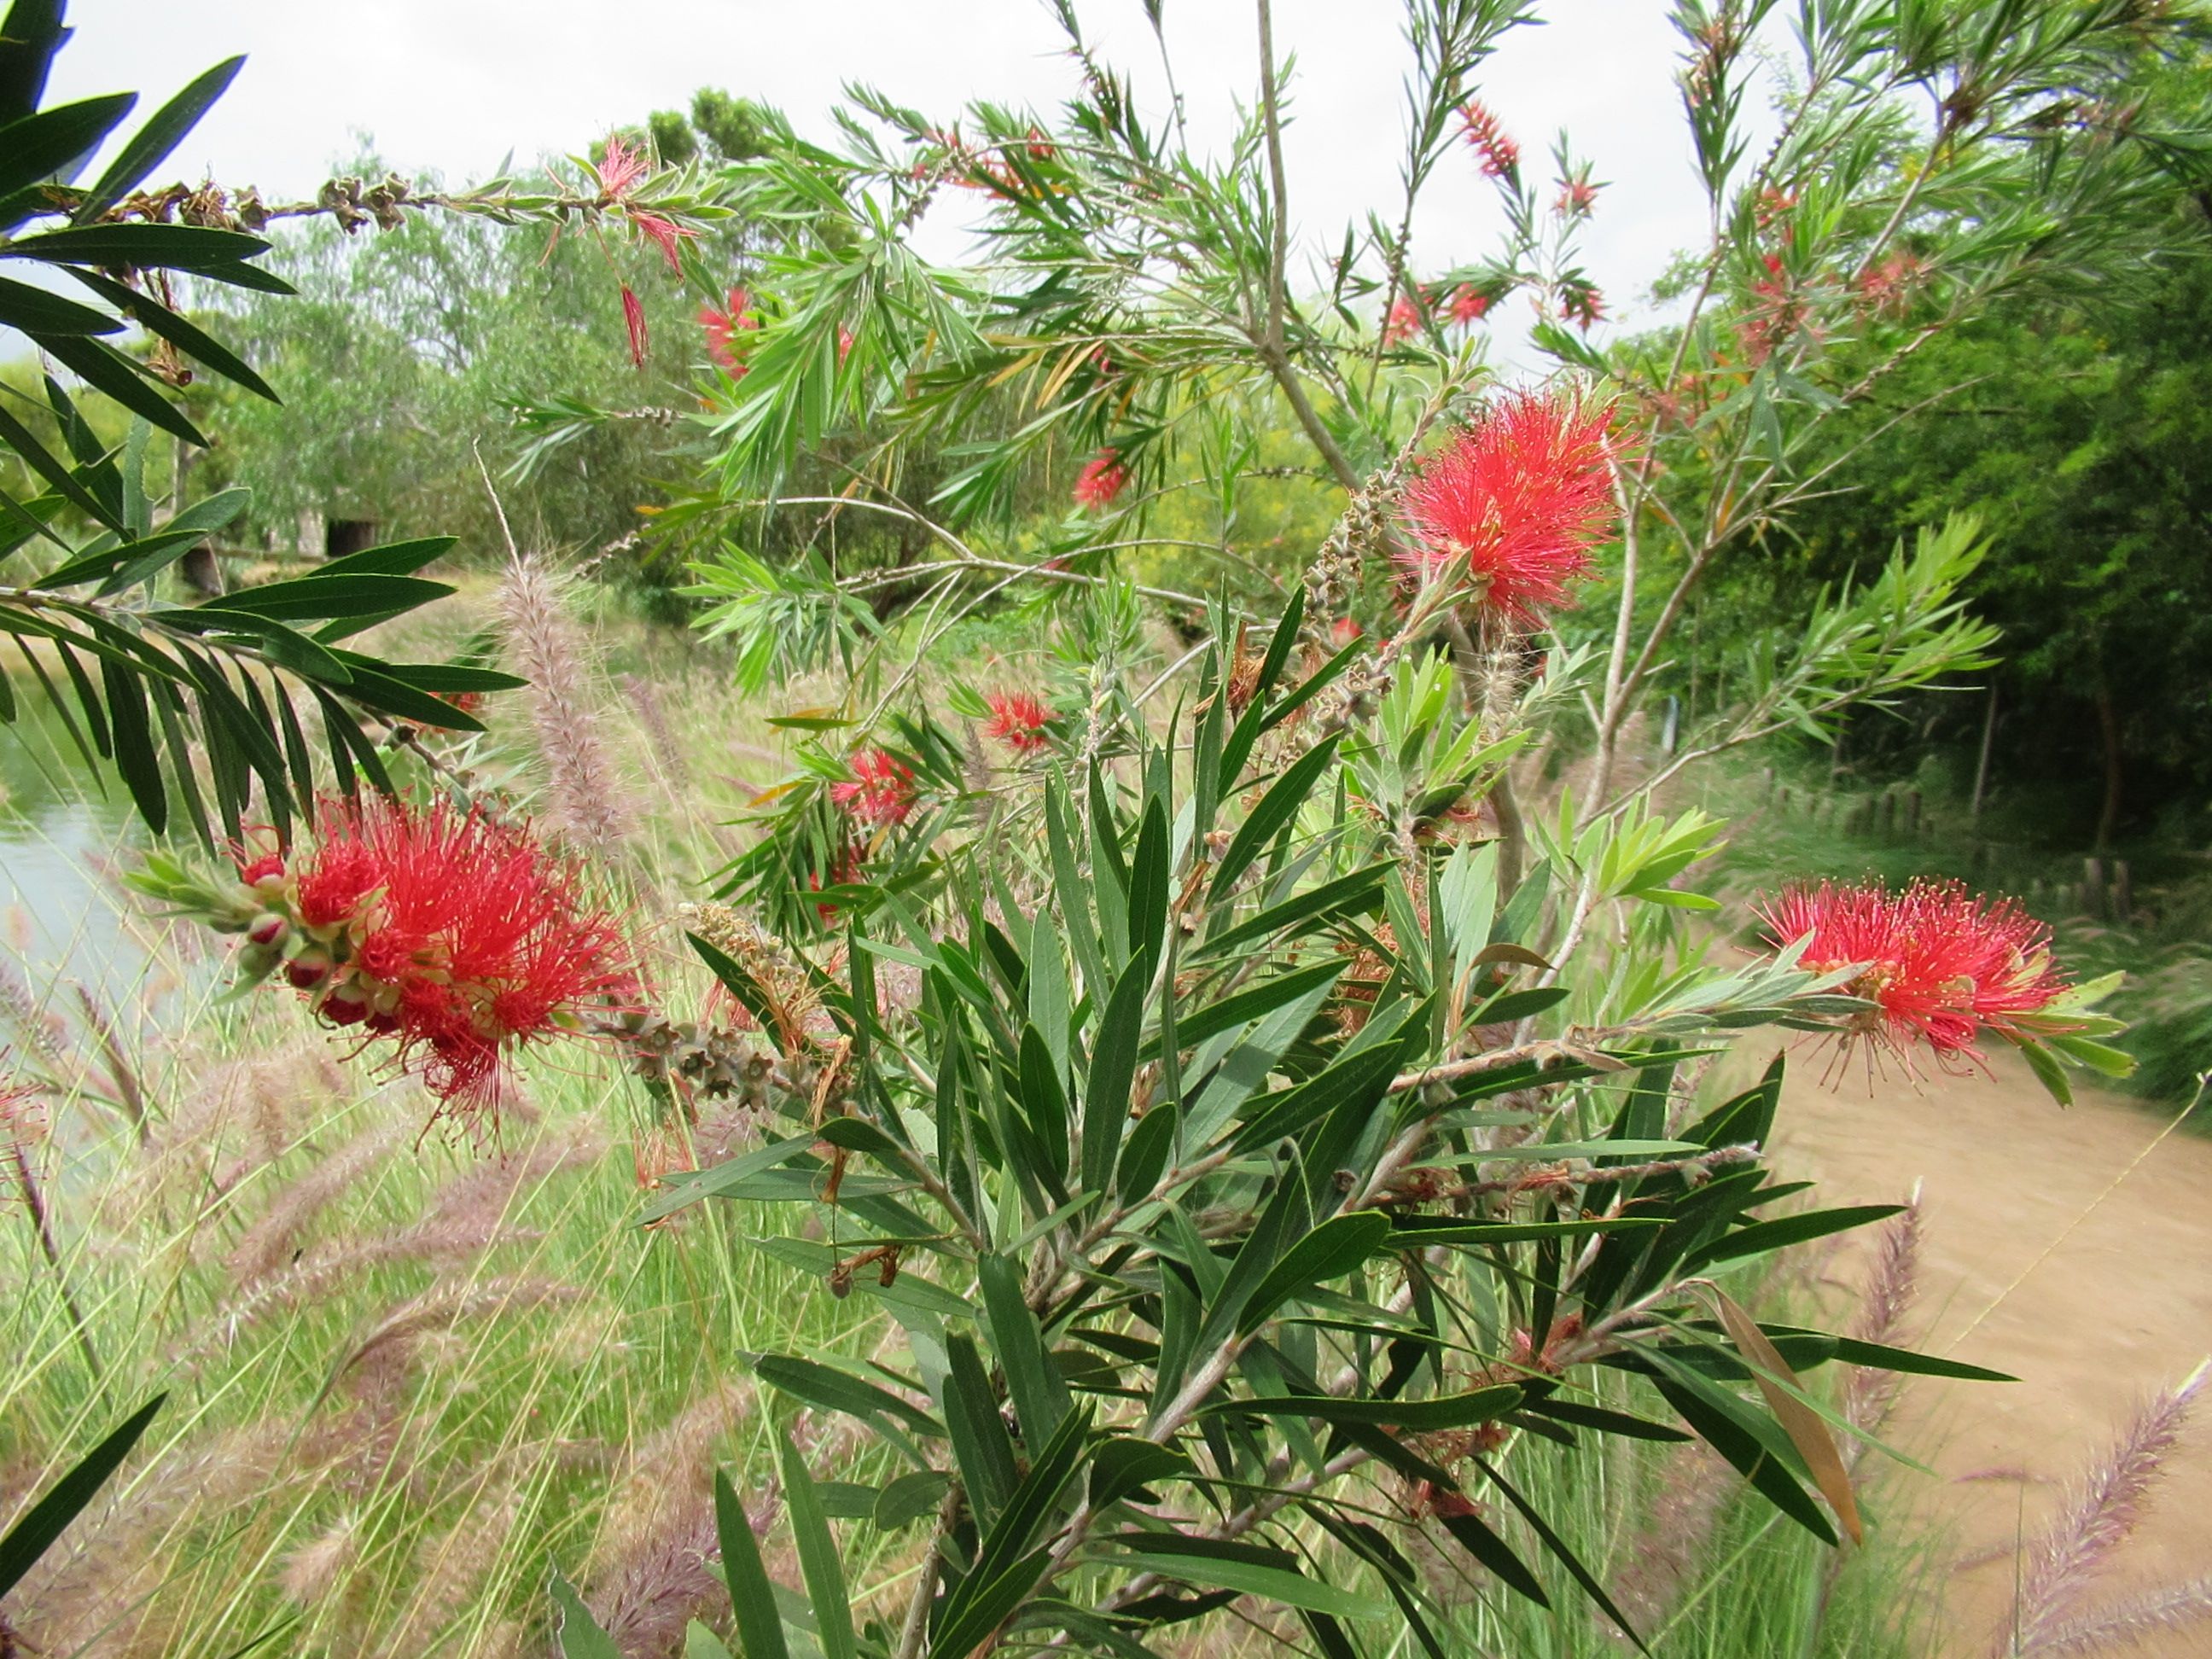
pixel 307 970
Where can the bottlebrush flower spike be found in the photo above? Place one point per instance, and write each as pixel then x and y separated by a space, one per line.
pixel 1943 964
pixel 1403 322
pixel 1515 503
pixel 663 234
pixel 1019 722
pixel 1500 155
pixel 724 328
pixel 1102 479
pixel 880 792
pixel 621 165
pixel 634 321
pixel 461 937
pixel 1469 305
pixel 1577 197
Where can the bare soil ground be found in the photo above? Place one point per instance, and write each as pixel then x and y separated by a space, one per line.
pixel 2092 1294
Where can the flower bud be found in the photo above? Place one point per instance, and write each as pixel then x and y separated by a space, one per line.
pixel 256 959
pixel 267 928
pixel 307 969
pixel 345 1006
pixel 264 874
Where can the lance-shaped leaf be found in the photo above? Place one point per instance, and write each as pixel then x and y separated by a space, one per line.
pixel 1276 810
pixel 1781 1389
pixel 752 1596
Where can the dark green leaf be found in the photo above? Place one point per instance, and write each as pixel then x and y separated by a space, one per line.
pixel 36 311
pixel 817 1556
pixel 1354 894
pixel 1764 1236
pixel 37 147
pixel 151 144
pixel 833 1390
pixel 102 366
pixel 1329 1251
pixel 1112 1066
pixel 1276 809
pixel 1040 1396
pixel 172 248
pixel 134 743
pixel 980 1444
pixel 64 480
pixel 1452 1411
pixel 312 597
pixel 164 324
pixel 752 1597
pixel 1562 1553
pixel 909 1497
pixel 34 1534
pixel 581 1635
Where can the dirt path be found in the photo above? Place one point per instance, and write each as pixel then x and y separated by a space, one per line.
pixel 2121 1305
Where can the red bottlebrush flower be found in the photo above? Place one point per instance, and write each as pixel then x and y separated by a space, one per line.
pixel 1041 148
pixel 1515 503
pixel 1342 632
pixel 620 166
pixel 844 345
pixel 1777 314
pixel 1500 155
pixel 1577 197
pixel 1582 304
pixel 634 321
pixel 1469 305
pixel 463 938
pixel 1403 322
pixel 1773 206
pixel 1888 288
pixel 1019 722
pixel 1102 479
pixel 847 869
pixel 663 234
pixel 1943 964
pixel 724 327
pixel 880 792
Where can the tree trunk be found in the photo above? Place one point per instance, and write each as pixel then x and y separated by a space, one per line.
pixel 2108 735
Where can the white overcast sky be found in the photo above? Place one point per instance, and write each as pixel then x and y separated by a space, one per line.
pixel 456 85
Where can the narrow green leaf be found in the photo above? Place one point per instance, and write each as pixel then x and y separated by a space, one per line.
pixel 134 744
pixel 980 1445
pixel 752 1597
pixel 580 1634
pixel 1276 809
pixel 37 147
pixel 1329 1251
pixel 1450 1411
pixel 817 1556
pixel 833 1390
pixel 35 1533
pixel 1284 1585
pixel 152 144
pixel 1040 1396
pixel 103 368
pixel 1113 1067
pixel 1762 1237
pixel 38 310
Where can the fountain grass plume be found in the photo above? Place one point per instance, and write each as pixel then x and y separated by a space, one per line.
pixel 548 650
pixel 2098 1517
